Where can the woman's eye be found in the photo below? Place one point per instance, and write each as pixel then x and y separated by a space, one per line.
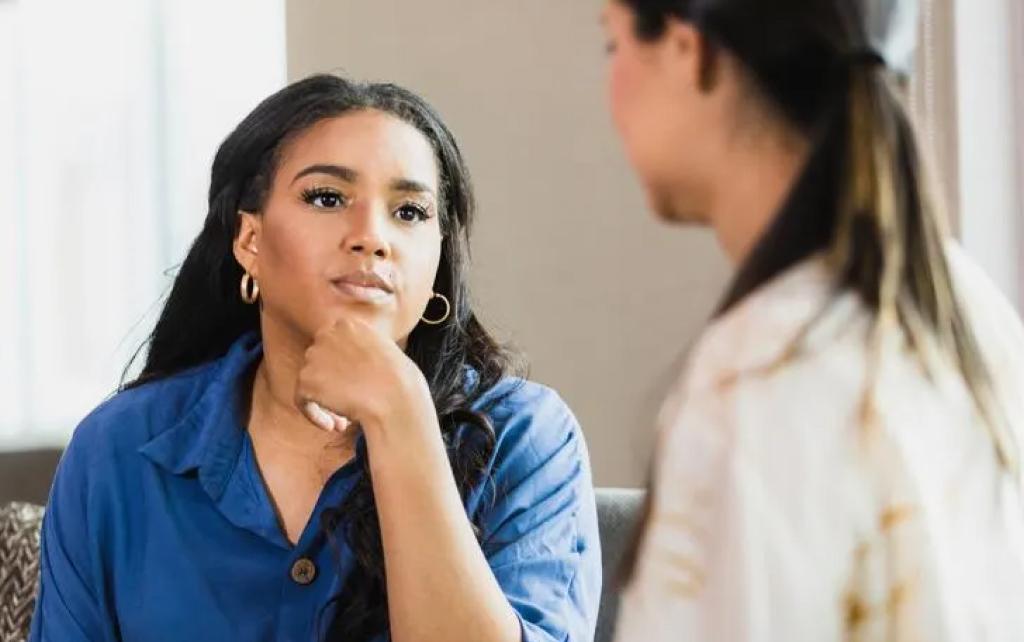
pixel 412 214
pixel 323 198
pixel 610 47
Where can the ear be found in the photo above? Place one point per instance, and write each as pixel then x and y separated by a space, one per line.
pixel 691 58
pixel 247 242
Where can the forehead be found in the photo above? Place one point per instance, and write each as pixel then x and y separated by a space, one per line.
pixel 615 15
pixel 377 145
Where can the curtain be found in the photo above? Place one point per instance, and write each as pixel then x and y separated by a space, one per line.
pixel 933 100
pixel 968 100
pixel 110 112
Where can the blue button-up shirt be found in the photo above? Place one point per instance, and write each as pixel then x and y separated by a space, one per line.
pixel 159 526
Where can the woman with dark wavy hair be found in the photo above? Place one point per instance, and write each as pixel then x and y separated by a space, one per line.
pixel 841 460
pixel 325 443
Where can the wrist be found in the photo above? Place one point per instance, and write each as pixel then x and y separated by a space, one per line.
pixel 403 455
pixel 406 418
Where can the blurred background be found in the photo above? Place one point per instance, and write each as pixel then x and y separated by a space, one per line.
pixel 111 110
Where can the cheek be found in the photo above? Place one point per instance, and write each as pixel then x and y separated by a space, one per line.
pixel 620 92
pixel 294 259
pixel 287 250
pixel 630 99
pixel 419 271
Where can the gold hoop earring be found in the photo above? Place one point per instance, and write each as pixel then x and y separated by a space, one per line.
pixel 447 311
pixel 249 288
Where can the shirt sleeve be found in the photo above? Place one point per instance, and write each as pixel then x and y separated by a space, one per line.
pixel 540 523
pixel 68 606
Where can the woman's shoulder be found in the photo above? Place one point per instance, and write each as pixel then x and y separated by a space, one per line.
pixel 532 424
pixel 539 470
pixel 797 357
pixel 133 416
pixel 997 329
pixel 516 404
pixel 799 314
pixel 995 321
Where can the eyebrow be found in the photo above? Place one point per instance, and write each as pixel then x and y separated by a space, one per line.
pixel 350 175
pixel 409 185
pixel 346 174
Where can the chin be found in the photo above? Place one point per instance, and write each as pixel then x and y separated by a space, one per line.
pixel 669 210
pixel 372 315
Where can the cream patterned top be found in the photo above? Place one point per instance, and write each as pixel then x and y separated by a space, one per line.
pixel 780 514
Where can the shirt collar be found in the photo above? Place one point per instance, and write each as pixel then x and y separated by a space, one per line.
pixel 210 434
pixel 799 310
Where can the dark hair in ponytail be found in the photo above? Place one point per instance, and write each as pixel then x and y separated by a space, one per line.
pixel 204 314
pixel 861 199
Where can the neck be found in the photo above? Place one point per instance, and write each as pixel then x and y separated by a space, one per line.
pixel 274 413
pixel 757 174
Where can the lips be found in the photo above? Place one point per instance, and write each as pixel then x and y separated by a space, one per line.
pixel 364 286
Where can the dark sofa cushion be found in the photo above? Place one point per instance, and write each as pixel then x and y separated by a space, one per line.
pixel 26 475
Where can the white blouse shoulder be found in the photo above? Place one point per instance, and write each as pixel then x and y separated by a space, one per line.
pixel 781 513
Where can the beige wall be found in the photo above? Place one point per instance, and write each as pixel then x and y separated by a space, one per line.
pixel 568 263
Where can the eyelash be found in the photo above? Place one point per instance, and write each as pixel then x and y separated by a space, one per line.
pixel 310 196
pixel 422 213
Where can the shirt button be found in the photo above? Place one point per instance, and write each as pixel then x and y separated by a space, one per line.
pixel 303 571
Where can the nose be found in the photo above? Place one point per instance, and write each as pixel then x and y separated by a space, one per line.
pixel 365 234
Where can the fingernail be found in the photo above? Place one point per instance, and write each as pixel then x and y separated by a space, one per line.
pixel 341 424
pixel 319 416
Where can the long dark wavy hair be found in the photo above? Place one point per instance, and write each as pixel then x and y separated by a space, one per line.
pixel 861 199
pixel 204 314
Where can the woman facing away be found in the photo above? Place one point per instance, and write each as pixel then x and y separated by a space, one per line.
pixel 325 443
pixel 841 460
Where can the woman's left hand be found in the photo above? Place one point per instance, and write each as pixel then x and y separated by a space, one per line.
pixel 360 376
